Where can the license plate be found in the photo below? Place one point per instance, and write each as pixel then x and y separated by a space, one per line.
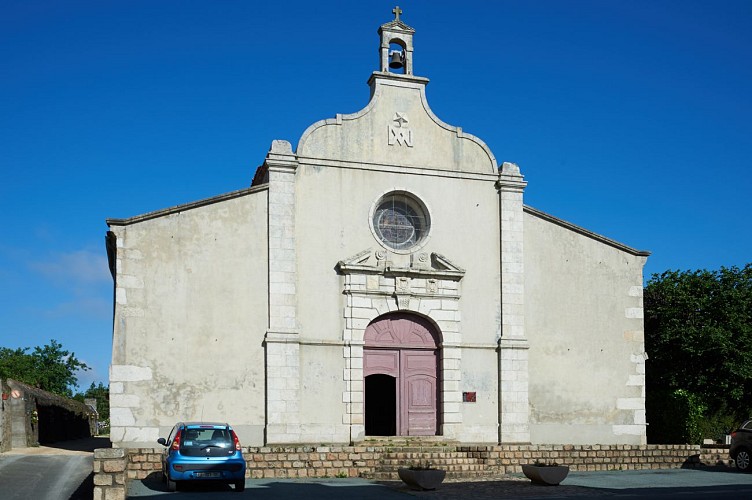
pixel 208 474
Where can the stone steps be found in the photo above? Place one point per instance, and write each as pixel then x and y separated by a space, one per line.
pixel 466 463
pixel 457 474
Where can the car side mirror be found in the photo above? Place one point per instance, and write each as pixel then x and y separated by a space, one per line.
pixel 162 441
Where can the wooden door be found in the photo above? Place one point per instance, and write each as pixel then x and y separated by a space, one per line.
pixel 418 393
pixel 405 346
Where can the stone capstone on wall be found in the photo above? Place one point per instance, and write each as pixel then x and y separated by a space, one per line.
pixel 110 466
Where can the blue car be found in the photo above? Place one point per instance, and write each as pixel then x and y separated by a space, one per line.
pixel 202 451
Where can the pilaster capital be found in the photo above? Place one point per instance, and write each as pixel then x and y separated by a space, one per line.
pixel 280 336
pixel 514 343
pixel 280 157
pixel 510 178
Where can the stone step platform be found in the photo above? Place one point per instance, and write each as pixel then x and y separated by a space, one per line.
pixel 424 444
pixel 456 463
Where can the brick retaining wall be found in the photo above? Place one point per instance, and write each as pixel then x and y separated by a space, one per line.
pixel 114 466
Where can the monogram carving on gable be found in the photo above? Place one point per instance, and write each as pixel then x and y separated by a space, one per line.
pixel 399 134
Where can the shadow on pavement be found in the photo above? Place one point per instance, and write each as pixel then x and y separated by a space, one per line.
pixel 494 489
pixel 713 468
pixel 85 490
pixel 276 489
pixel 702 482
pixel 676 493
pixel 83 445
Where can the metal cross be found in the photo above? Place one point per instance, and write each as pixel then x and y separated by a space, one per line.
pixel 396 11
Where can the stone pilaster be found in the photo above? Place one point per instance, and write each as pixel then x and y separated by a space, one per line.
pixel 451 393
pixel 514 412
pixel 282 337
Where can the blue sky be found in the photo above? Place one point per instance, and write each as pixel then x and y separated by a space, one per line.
pixel 631 118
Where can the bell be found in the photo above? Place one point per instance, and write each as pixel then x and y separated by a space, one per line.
pixel 396 59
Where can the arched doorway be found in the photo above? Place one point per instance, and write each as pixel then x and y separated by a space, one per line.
pixel 400 367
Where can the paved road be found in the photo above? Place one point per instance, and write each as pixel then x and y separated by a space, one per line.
pixel 60 472
pixel 697 484
pixel 42 477
pixel 273 489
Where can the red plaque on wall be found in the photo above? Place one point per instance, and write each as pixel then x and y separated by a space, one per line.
pixel 468 397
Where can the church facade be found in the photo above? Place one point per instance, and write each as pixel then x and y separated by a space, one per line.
pixel 382 278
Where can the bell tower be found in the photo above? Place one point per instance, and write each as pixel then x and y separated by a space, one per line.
pixel 396 48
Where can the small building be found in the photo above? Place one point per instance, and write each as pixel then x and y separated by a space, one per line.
pixel 30 416
pixel 382 278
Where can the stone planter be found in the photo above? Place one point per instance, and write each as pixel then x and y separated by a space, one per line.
pixel 549 475
pixel 422 479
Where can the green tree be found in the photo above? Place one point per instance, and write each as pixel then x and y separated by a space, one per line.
pixel 102 394
pixel 16 364
pixel 698 334
pixel 49 367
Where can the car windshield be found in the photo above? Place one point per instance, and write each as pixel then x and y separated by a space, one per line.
pixel 206 440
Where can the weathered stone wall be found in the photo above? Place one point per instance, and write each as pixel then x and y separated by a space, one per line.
pixel 5 434
pixel 584 323
pixel 464 461
pixel 191 296
pixel 114 466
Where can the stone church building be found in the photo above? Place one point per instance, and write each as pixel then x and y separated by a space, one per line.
pixel 382 278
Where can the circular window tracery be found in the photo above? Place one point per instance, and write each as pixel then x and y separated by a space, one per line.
pixel 400 221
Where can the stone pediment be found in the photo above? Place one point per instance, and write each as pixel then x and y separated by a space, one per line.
pixel 422 265
pixel 397 25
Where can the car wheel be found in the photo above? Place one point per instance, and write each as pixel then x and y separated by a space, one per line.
pixel 171 485
pixel 743 459
pixel 240 485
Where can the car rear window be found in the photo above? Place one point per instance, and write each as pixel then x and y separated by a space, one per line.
pixel 207 442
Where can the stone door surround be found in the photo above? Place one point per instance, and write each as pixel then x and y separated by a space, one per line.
pixel 429 287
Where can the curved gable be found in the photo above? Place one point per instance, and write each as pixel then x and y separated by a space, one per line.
pixel 397 128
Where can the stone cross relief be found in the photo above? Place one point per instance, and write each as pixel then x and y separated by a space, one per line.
pixel 399 133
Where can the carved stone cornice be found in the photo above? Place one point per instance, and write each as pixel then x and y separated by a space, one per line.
pixel 433 266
